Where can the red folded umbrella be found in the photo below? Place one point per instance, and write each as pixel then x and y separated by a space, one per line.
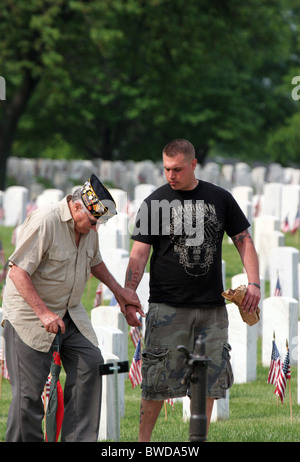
pixel 55 409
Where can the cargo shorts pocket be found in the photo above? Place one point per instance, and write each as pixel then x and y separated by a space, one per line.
pixel 154 369
pixel 226 377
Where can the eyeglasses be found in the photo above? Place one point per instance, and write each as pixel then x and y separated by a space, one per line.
pixel 92 222
pixel 103 219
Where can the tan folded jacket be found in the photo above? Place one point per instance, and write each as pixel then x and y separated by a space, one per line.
pixel 236 296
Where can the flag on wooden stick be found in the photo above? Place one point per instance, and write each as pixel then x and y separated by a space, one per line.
pixel 274 365
pixel 283 376
pixel 136 333
pixel 285 226
pixel 98 297
pixel 296 223
pixel 135 371
pixel 2 254
pixel 277 292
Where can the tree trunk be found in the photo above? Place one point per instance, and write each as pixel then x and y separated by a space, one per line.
pixel 12 111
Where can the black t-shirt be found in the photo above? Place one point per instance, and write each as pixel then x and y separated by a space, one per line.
pixel 185 229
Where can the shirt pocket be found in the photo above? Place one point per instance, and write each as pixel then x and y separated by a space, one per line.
pixel 56 266
pixel 89 258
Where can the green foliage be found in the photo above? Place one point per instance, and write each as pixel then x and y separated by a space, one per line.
pixel 285 142
pixel 120 79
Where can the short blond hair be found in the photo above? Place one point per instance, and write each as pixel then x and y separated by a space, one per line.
pixel 179 146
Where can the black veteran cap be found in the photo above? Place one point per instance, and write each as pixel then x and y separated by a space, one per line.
pixel 97 199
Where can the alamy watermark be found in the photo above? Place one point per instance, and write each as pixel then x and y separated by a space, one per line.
pixel 169 218
pixel 296 90
pixel 2 89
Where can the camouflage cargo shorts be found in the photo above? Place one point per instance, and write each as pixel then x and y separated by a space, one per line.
pixel 163 365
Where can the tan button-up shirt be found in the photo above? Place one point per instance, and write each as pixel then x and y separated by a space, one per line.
pixel 59 270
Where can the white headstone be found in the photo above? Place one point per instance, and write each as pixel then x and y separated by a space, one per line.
pixel 121 199
pixel 297 356
pixel 243 341
pixel 144 171
pixel 142 191
pixel 111 339
pixel 272 200
pixel 114 233
pixel 258 178
pixel 116 261
pixel 284 265
pixel 111 316
pixel 275 173
pixel 264 224
pixel 220 409
pixel 49 196
pixel 143 291
pixel 14 205
pixel 110 408
pixel 281 317
pixel 290 202
pixel 242 193
pixel 240 279
pixel 242 174
pixel 211 172
pixel 268 242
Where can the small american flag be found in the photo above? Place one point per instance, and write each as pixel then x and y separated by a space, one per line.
pixel 135 333
pixel 296 223
pixel 275 365
pixel 98 297
pixel 3 371
pixel 277 292
pixel 4 272
pixel 135 372
pixel 2 255
pixel 171 401
pixel 113 301
pixel 285 373
pixel 257 208
pixel 286 226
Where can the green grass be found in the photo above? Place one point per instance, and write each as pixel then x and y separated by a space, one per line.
pixel 255 414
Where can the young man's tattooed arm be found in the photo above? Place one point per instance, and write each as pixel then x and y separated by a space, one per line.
pixel 245 246
pixel 137 262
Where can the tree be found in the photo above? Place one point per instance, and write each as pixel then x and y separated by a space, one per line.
pixel 29 33
pixel 119 79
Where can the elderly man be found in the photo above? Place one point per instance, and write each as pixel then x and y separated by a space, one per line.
pixel 55 254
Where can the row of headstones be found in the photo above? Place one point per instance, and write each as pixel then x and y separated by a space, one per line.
pixel 127 174
pixel 15 203
pixel 277 193
pixel 115 233
pixel 267 231
pixel 63 173
pixel 278 200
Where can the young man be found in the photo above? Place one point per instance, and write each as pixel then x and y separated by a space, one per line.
pixel 57 250
pixel 184 222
